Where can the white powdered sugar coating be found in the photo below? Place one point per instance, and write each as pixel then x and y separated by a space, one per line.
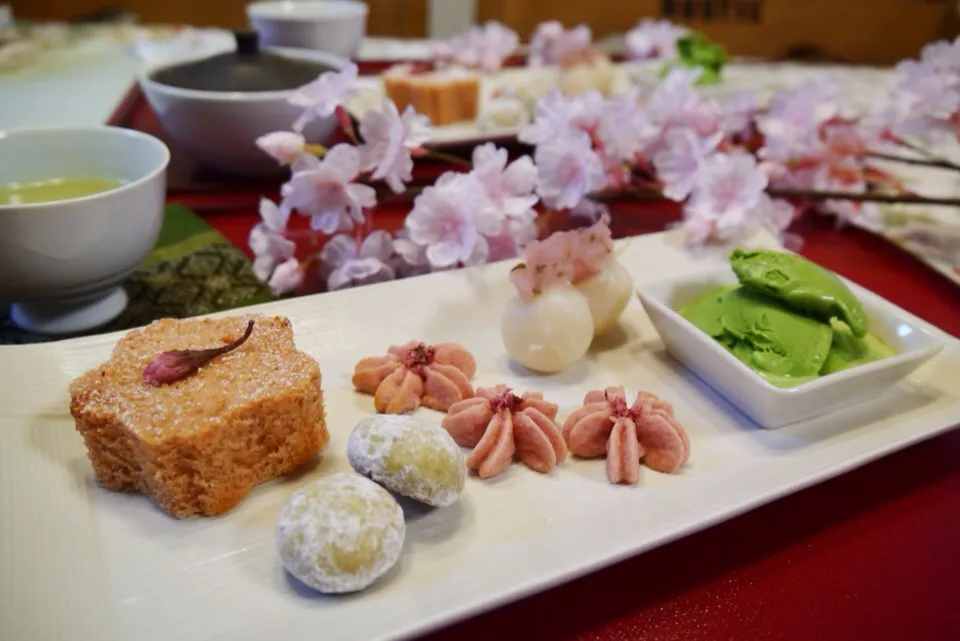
pixel 414 458
pixel 340 533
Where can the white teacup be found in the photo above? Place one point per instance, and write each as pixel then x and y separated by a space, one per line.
pixel 335 26
pixel 62 261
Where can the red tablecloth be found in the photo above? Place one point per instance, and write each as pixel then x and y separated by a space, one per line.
pixel 871 555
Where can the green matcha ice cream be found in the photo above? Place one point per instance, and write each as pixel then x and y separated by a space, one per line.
pixel 801 284
pixel 848 350
pixel 784 347
pixel 789 320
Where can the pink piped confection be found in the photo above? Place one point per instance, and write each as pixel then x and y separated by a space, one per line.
pixel 646 431
pixel 415 374
pixel 500 426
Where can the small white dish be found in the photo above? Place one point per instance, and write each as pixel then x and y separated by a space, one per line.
pixel 220 128
pixel 914 341
pixel 62 261
pixel 335 26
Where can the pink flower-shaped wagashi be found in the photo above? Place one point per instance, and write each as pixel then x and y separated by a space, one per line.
pixel 499 426
pixel 646 431
pixel 415 374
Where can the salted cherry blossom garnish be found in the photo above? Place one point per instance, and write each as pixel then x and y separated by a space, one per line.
pixel 174 365
pixel 324 189
pixel 500 426
pixel 415 374
pixel 389 137
pixel 646 431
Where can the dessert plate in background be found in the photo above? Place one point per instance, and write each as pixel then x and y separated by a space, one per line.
pixel 127 571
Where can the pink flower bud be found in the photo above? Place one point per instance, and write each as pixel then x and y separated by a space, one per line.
pixel 173 365
pixel 284 146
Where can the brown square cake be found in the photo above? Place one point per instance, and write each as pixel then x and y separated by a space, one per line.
pixel 199 444
pixel 445 96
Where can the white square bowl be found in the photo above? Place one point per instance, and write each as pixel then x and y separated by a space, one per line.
pixel 914 341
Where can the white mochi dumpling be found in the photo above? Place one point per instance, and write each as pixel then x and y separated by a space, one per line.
pixel 608 293
pixel 550 332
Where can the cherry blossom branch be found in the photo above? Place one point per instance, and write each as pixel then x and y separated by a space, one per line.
pixel 450 158
pixel 904 199
pixel 925 162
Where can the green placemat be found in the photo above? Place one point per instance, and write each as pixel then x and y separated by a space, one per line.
pixel 192 270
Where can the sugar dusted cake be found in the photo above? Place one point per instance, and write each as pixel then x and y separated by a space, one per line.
pixel 197 440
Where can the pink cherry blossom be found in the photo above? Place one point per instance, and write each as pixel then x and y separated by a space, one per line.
pixel 557 114
pixel 266 239
pixel 287 277
pixel 677 102
pixel 511 186
pixel 790 125
pixel 388 139
pixel 654 39
pixel 320 98
pixel 567 170
pixel 923 100
pixel 410 258
pixel 624 127
pixel 350 262
pixel 452 219
pixel 736 113
pixel 325 191
pixel 481 47
pixel 589 211
pixel 942 55
pixel 680 161
pixel 284 146
pixel 551 44
pixel 729 194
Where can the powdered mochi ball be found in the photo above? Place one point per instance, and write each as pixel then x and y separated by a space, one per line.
pixel 340 533
pixel 410 457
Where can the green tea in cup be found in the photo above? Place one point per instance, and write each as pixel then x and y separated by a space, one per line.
pixel 51 189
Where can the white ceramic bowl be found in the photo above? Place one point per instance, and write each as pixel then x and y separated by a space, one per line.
pixel 336 26
pixel 62 261
pixel 219 127
pixel 914 341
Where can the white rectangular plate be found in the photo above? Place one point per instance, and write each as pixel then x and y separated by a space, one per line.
pixel 112 567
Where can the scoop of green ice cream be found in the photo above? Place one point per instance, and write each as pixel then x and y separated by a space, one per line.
pixel 801 284
pixel 847 350
pixel 775 341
